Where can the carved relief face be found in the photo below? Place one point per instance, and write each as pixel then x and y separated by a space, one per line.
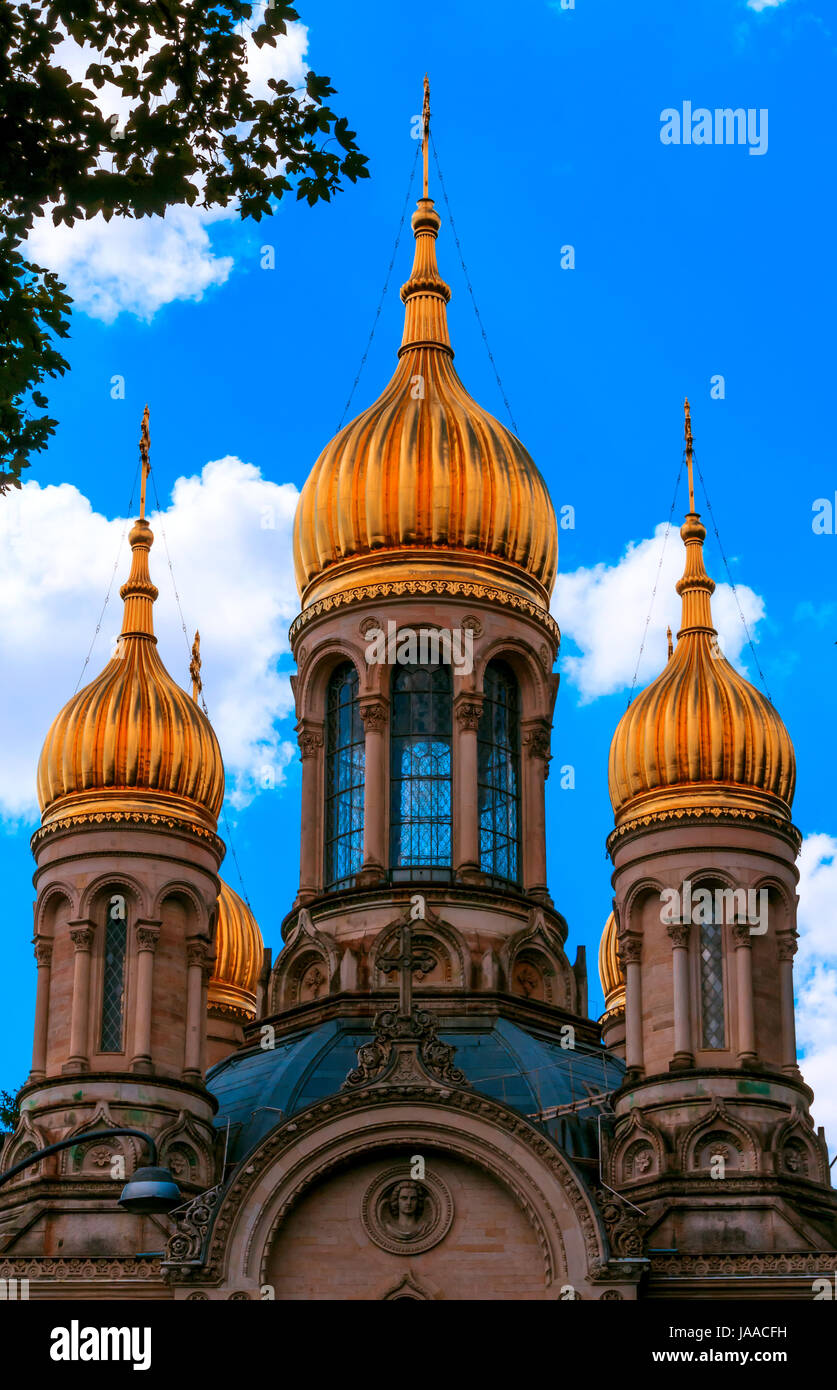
pixel 406 1203
pixel 405 1216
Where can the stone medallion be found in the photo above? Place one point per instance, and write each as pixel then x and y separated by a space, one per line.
pixel 404 1215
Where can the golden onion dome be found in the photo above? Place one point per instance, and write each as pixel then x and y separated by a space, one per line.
pixel 239 950
pixel 700 736
pixel 132 741
pixel 425 483
pixel 611 973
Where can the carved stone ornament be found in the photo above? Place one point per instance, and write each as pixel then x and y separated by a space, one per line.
pixel 310 741
pixel 629 949
pixel 405 1048
pixel 468 713
pixel 43 952
pixel 82 938
pixel 147 938
pixel 374 715
pixel 741 935
pixel 405 1216
pixel 536 740
pixel 678 933
pixel 472 624
pixel 625 1225
pixel 197 952
pixel 787 947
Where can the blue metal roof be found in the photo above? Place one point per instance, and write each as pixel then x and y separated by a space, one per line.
pixel 529 1072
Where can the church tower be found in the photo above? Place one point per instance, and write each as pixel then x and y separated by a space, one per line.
pixel 714 1135
pixel 130 784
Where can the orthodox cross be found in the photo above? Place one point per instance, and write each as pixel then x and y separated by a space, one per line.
pixel 425 128
pixel 145 450
pixel 687 435
pixel 195 668
pixel 406 962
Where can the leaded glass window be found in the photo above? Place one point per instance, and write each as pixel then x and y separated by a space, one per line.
pixel 345 769
pixel 712 985
pixel 420 770
pixel 113 984
pixel 498 743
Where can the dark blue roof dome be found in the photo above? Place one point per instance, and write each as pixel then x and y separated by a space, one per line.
pixel 528 1071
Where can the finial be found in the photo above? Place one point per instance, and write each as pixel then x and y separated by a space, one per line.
pixel 195 668
pixel 670 643
pixel 145 450
pixel 687 434
pixel 425 130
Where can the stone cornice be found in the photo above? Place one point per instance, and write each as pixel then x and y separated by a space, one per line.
pixel 455 588
pixel 713 815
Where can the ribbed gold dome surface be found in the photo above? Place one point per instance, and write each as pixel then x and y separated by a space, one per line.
pixel 132 740
pixel 238 957
pixel 610 969
pixel 425 483
pixel 700 735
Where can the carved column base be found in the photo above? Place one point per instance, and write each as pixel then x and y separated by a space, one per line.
pixel 193 1077
pixel 470 874
pixel 75 1064
pixel 143 1065
pixel 748 1061
pixel 541 895
pixel 370 876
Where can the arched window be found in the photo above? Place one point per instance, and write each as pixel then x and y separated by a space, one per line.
pixel 113 983
pixel 713 1032
pixel 345 766
pixel 498 743
pixel 420 804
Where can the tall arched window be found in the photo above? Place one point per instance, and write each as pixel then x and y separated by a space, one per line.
pixel 712 1029
pixel 498 744
pixel 345 766
pixel 420 769
pixel 113 983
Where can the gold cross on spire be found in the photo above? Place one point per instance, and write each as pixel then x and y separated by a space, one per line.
pixel 688 437
pixel 408 960
pixel 425 130
pixel 145 450
pixel 195 668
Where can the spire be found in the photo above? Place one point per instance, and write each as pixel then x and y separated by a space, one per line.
pixel 670 643
pixel 425 294
pixel 195 668
pixel 695 587
pixel 138 592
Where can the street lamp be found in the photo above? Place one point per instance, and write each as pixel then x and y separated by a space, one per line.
pixel 151 1189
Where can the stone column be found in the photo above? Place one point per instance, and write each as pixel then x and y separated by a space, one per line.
pixel 535 770
pixel 683 1054
pixel 787 951
pixel 197 952
pixel 310 739
pixel 744 977
pixel 467 709
pixel 43 955
pixel 147 936
pixel 375 716
pixel 81 935
pixel 630 953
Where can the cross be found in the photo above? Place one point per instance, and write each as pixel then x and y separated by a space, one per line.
pixel 425 127
pixel 145 450
pixel 405 963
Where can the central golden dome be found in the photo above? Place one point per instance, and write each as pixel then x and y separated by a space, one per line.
pixel 425 483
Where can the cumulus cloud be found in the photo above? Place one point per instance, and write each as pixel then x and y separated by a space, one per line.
pixel 602 610
pixel 228 532
pixel 136 265
pixel 816 976
pixel 759 5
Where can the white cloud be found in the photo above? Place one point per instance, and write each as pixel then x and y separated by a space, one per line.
pixel 603 611
pixel 816 976
pixel 229 536
pixel 759 5
pixel 136 265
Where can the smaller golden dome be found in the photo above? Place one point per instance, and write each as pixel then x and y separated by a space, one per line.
pixel 610 970
pixel 132 740
pixel 700 736
pixel 239 951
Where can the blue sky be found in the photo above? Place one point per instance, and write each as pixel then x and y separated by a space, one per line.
pixel 690 262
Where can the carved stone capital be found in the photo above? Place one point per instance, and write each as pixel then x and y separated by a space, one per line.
pixel 374 714
pixel 81 936
pixel 536 740
pixel 147 935
pixel 629 949
pixel 787 946
pixel 741 935
pixel 197 952
pixel 468 711
pixel 43 951
pixel 678 933
pixel 310 739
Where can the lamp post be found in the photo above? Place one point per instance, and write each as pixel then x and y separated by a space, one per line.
pixel 151 1189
